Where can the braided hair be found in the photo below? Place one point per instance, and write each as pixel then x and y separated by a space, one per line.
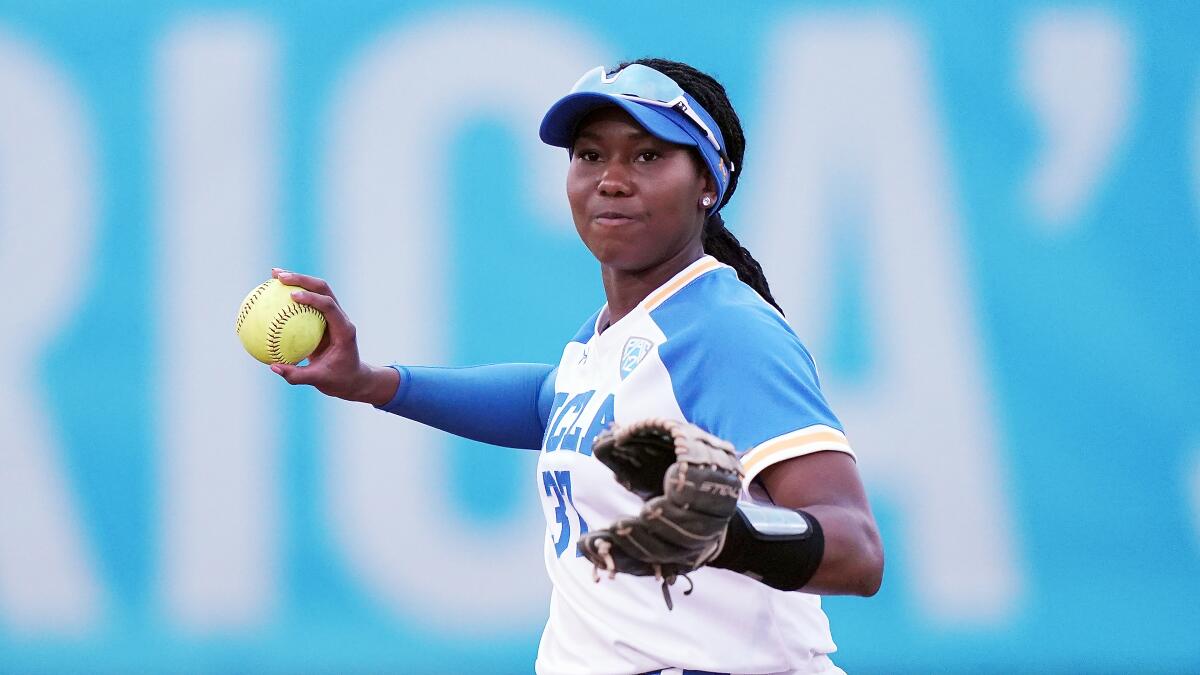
pixel 719 242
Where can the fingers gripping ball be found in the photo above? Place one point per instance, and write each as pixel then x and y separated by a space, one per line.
pixel 690 481
pixel 274 328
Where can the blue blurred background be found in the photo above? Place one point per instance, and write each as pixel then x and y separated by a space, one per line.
pixel 983 219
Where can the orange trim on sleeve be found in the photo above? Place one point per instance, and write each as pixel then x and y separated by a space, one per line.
pixel 795 444
pixel 657 297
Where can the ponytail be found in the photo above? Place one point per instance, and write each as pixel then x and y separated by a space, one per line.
pixel 720 243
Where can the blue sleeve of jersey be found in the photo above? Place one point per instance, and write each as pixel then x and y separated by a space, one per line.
pixel 737 368
pixel 504 404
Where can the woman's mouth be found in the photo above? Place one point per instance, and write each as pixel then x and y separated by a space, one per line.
pixel 612 218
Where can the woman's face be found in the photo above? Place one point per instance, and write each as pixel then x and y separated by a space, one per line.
pixel 635 198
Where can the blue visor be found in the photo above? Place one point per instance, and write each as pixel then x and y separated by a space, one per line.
pixel 654 101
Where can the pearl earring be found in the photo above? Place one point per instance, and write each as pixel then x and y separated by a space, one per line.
pixel 706 202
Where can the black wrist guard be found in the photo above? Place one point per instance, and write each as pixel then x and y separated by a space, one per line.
pixel 780 547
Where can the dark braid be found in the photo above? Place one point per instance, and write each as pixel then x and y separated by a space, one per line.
pixel 719 242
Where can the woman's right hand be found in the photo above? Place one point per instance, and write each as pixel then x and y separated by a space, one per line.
pixel 335 368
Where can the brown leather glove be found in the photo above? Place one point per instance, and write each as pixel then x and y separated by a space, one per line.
pixel 690 481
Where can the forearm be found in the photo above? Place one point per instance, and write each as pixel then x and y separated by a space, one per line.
pixel 844 555
pixel 852 563
pixel 808 549
pixel 496 404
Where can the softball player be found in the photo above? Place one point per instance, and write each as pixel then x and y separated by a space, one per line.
pixel 691 332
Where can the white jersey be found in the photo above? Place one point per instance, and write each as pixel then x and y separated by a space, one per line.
pixel 704 348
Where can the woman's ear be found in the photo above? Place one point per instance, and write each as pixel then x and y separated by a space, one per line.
pixel 708 196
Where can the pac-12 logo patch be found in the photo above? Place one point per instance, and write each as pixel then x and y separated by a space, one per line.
pixel 636 349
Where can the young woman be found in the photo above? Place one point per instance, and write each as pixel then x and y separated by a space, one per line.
pixel 690 331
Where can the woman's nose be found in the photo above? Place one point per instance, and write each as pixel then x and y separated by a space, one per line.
pixel 615 181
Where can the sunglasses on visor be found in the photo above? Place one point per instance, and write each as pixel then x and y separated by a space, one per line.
pixel 643 84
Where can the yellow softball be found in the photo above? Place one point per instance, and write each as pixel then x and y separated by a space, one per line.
pixel 276 329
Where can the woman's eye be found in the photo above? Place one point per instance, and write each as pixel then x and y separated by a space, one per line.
pixel 648 156
pixel 587 155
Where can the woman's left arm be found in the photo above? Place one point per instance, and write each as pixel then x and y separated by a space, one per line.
pixel 826 485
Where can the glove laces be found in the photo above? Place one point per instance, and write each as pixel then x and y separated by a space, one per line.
pixel 668 581
pixel 604 549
